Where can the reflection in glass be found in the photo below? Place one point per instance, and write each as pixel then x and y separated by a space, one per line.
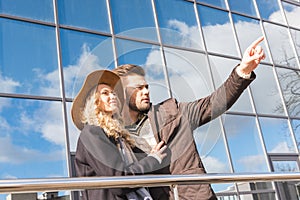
pixel 277 136
pixel 248 30
pixel 296 40
pixel 73 131
pixel 83 53
pixel 217 30
pixel 28 59
pixel 296 128
pixel 148 56
pixel 79 13
pixel 255 196
pixel 42 10
pixel 280 45
pixel 239 6
pixel 269 10
pixel 285 166
pixel 219 3
pixel 221 69
pixel 188 73
pixel 290 84
pixel 265 92
pixel 211 147
pixel 292 13
pixel 178 26
pixel 134 19
pixel 242 131
pixel 287 189
pixel 32 139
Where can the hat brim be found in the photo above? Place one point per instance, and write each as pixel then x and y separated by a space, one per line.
pixel 93 79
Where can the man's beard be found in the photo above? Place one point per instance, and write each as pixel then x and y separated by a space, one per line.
pixel 132 106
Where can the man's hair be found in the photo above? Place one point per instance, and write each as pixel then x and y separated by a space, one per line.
pixel 129 69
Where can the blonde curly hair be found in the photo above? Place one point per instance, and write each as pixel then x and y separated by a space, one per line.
pixel 112 124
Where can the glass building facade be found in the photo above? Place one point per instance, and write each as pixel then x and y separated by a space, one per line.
pixel 187 47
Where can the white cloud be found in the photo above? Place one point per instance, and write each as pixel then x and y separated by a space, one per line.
pixel 86 63
pixel 8 85
pixel 293 16
pixel 281 147
pixel 50 125
pixel 8 176
pixel 188 35
pixel 13 154
pixel 219 38
pixel 214 165
pixel 252 163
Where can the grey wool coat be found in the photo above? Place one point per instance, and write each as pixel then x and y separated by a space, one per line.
pixel 98 155
pixel 174 123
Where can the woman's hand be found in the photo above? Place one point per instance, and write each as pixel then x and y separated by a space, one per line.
pixel 158 150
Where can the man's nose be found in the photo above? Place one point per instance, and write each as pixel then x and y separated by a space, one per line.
pixel 112 95
pixel 145 90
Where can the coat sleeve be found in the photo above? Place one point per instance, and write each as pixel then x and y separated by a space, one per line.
pixel 206 109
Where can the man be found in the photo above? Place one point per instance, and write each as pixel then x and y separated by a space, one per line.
pixel 173 122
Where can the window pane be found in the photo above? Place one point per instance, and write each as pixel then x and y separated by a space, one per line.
pixel 285 166
pixel 290 84
pixel 178 26
pixel 276 135
pixel 245 7
pixel 265 92
pixel 217 30
pixel 287 189
pixel 257 189
pixel 33 9
pixel 254 196
pixel 292 14
pixel 188 72
pixel 79 13
pixel 241 131
pixel 280 45
pixel 28 59
pixel 296 129
pixel 32 139
pixel 134 19
pixel 83 53
pixel 221 69
pixel 296 40
pixel 148 56
pixel 219 3
pixel 269 10
pixel 211 147
pixel 248 30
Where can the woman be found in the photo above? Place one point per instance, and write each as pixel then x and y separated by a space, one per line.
pixel 104 147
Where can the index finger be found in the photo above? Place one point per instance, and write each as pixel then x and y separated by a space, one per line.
pixel 160 144
pixel 257 41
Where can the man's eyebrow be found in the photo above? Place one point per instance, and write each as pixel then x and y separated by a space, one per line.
pixel 138 85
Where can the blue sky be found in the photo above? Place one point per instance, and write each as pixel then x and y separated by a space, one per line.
pixel 32 139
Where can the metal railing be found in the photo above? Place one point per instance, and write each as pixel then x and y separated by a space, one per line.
pixel 79 183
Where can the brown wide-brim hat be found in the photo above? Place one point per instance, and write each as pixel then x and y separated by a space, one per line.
pixel 92 80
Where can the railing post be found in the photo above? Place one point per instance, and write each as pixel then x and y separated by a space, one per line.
pixel 175 190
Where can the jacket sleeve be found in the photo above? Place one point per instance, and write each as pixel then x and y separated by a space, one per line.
pixel 206 109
